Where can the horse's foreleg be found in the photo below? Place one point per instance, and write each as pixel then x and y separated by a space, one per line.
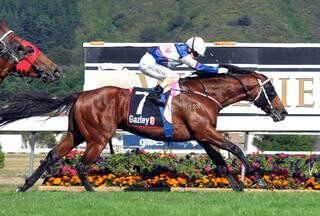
pixel 62 149
pixel 210 135
pixel 234 149
pixel 218 160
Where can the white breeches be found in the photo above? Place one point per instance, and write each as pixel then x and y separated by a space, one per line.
pixel 149 67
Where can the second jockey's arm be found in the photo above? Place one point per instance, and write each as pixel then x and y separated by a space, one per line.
pixel 188 60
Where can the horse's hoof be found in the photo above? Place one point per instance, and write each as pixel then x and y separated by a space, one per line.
pixel 89 189
pixel 261 183
pixel 238 188
pixel 19 189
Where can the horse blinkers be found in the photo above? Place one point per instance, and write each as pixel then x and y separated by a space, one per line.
pixel 265 99
pixel 266 96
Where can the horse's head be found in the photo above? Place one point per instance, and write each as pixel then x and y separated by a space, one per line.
pixel 259 89
pixel 24 58
pixel 265 97
pixel 36 64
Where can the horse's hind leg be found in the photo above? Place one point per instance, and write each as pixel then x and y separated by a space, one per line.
pixel 111 147
pixel 90 155
pixel 55 154
pixel 218 160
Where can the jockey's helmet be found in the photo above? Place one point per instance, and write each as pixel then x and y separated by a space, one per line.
pixel 197 44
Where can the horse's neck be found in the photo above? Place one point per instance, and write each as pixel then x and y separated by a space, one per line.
pixel 226 90
pixel 5 69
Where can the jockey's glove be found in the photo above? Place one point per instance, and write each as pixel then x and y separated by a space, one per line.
pixel 222 70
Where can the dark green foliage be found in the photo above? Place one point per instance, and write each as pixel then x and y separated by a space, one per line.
pixel 285 142
pixel 1 158
pixel 51 26
pixel 43 139
pixel 244 20
pixel 60 27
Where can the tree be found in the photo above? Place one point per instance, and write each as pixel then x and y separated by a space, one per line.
pixel 285 142
pixel 43 139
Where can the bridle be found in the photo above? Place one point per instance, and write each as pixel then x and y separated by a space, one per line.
pixel 6 51
pixel 262 96
pixel 260 100
pixel 23 61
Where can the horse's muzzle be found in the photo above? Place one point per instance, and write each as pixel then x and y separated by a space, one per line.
pixel 54 76
pixel 277 115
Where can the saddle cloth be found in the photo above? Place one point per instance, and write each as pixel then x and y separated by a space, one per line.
pixel 143 113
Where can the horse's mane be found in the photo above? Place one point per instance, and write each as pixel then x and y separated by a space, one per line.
pixel 232 69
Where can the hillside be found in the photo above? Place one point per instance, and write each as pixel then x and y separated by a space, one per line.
pixel 60 27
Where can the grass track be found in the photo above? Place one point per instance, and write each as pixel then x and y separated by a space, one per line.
pixel 158 203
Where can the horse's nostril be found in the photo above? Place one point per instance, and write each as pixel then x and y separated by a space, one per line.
pixel 57 73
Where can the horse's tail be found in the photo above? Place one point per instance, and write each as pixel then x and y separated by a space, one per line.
pixel 30 104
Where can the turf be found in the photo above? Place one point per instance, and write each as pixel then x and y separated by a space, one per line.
pixel 158 203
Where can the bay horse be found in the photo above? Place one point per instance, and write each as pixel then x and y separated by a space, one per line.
pixel 95 115
pixel 21 58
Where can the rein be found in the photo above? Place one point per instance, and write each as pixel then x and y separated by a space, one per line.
pixel 249 96
pixel 247 92
pixel 201 94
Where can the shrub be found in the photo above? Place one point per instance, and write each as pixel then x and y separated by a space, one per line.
pixel 285 142
pixel 167 170
pixel 1 158
pixel 244 20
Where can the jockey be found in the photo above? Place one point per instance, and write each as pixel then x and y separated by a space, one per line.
pixel 159 61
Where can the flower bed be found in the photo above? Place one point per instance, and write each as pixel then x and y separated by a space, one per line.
pixel 141 169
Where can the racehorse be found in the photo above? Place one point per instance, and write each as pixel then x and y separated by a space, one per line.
pixel 21 58
pixel 95 115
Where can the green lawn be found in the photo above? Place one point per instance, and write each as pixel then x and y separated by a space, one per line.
pixel 158 203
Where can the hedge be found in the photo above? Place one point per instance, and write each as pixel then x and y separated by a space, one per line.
pixel 1 159
pixel 141 169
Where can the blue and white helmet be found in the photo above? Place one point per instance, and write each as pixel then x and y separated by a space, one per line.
pixel 197 44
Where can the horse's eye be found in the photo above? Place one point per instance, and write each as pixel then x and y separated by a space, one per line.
pixel 30 50
pixel 20 49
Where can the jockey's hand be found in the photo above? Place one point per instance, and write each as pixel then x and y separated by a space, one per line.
pixel 222 70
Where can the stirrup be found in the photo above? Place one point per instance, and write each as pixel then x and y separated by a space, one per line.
pixel 155 100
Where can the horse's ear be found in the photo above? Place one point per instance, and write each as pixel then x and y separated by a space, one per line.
pixel 3 25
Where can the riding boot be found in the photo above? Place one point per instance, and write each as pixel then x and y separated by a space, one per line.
pixel 154 96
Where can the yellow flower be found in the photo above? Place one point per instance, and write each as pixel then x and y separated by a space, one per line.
pixel 100 180
pixel 110 176
pixel 182 181
pixel 117 180
pixel 199 181
pixel 205 180
pixel 225 181
pixel 65 178
pixel 57 181
pixel 266 178
pixel 317 187
pixel 90 179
